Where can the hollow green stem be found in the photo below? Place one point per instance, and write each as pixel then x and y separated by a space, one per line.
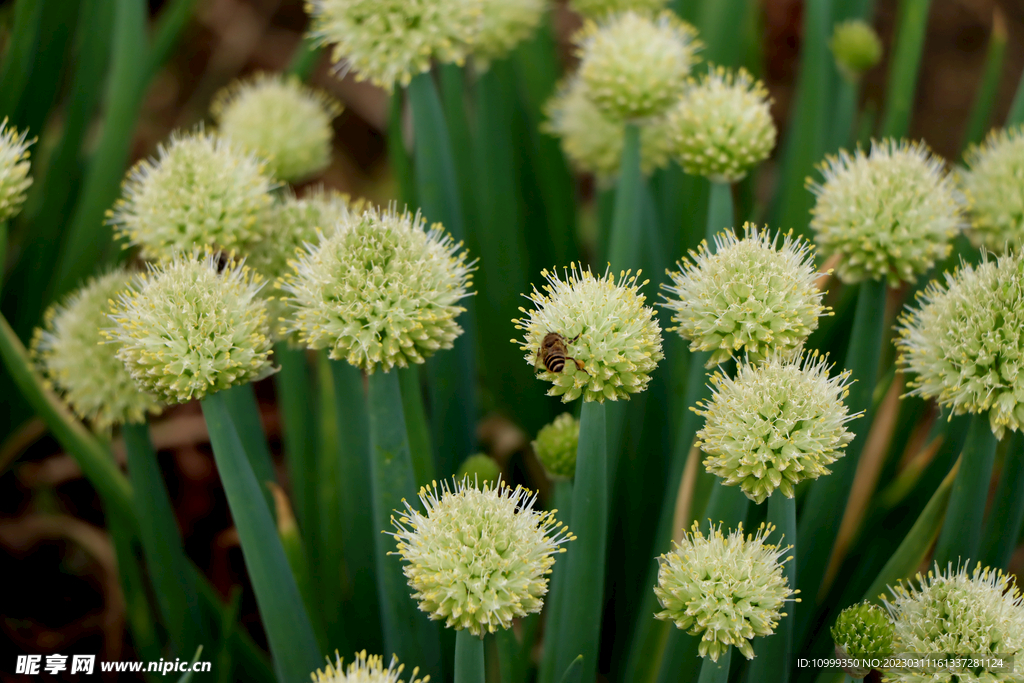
pixel 718 672
pixel 906 62
pixel 292 642
pixel 294 385
pixel 554 604
pixel 981 112
pixel 960 538
pixel 624 242
pixel 416 425
pixel 245 413
pixel 1007 515
pixel 720 211
pixel 1016 113
pixel 469 658
pixel 772 658
pixel 584 585
pixel 307 54
pixel 845 114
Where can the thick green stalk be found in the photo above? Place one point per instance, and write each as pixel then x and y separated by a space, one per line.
pixel 960 538
pixel 294 385
pixel 1007 515
pixel 553 603
pixel 353 480
pixel 172 21
pixel 624 243
pixel 245 413
pixel 1016 113
pixel 138 612
pixel 718 672
pixel 19 55
pixel 981 112
pixel 584 587
pixel 292 642
pixel 398 155
pixel 845 114
pixel 773 656
pixel 469 658
pixel 305 58
pixel 176 593
pixel 720 211
pixel 906 63
pixel 717 21
pixel 416 425
pixel 407 631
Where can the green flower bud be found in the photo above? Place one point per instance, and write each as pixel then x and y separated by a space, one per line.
pixel 723 126
pixel 593 142
pixel 283 121
pixel 962 613
pixel 189 328
pixel 776 424
pixel 746 298
pixel 363 669
pixel 607 340
pixel 727 589
pixel 888 214
pixel 863 631
pixel 503 25
pixel 14 168
pixel 382 291
pixel 856 48
pixel 555 447
pixel 390 41
pixel 994 185
pixel 634 66
pixel 963 342
pixel 480 555
pixel 598 9
pixel 70 351
pixel 479 468
pixel 200 191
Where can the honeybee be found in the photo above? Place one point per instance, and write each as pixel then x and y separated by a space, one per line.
pixel 553 352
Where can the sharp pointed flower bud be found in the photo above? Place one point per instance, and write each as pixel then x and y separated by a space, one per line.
pixel 723 125
pixel 888 214
pixel 390 41
pixel 383 290
pixel 14 168
pixel 748 297
pixel 856 48
pixel 199 191
pixel 994 189
pixel 478 557
pixel 283 121
pixel 69 349
pixel 591 336
pixel 635 66
pixel 963 341
pixel 556 445
pixel 598 9
pixel 863 631
pixel 364 669
pixel 728 589
pixel 776 424
pixel 190 327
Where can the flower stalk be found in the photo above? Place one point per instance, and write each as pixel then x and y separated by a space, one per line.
pixel 624 242
pixel 469 658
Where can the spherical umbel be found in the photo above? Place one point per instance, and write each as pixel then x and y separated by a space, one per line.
pixel 363 669
pixel 503 25
pixel 977 612
pixel 283 121
pixel 591 336
pixel 994 185
pixel 390 41
pixel 635 66
pixel 199 191
pixel 863 631
pixel 597 9
pixel 728 589
pixel 70 351
pixel 723 125
pixel 776 424
pixel 964 342
pixel 748 297
pixel 555 447
pixel 478 556
pixel 14 168
pixel 856 48
pixel 888 214
pixel 593 142
pixel 191 327
pixel 382 291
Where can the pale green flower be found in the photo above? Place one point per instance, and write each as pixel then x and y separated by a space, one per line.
pixel 593 142
pixel 723 125
pixel 726 589
pixel 748 297
pixel 390 41
pixel 189 327
pixel 613 341
pixel 994 185
pixel 479 556
pixel 888 214
pixel 199 191
pixel 964 343
pixel 556 445
pixel 862 631
pixel 856 47
pixel 383 291
pixel 14 168
pixel 776 424
pixel 363 669
pixel 69 350
pixel 977 613
pixel 634 66
pixel 503 25
pixel 479 468
pixel 597 9
pixel 286 123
